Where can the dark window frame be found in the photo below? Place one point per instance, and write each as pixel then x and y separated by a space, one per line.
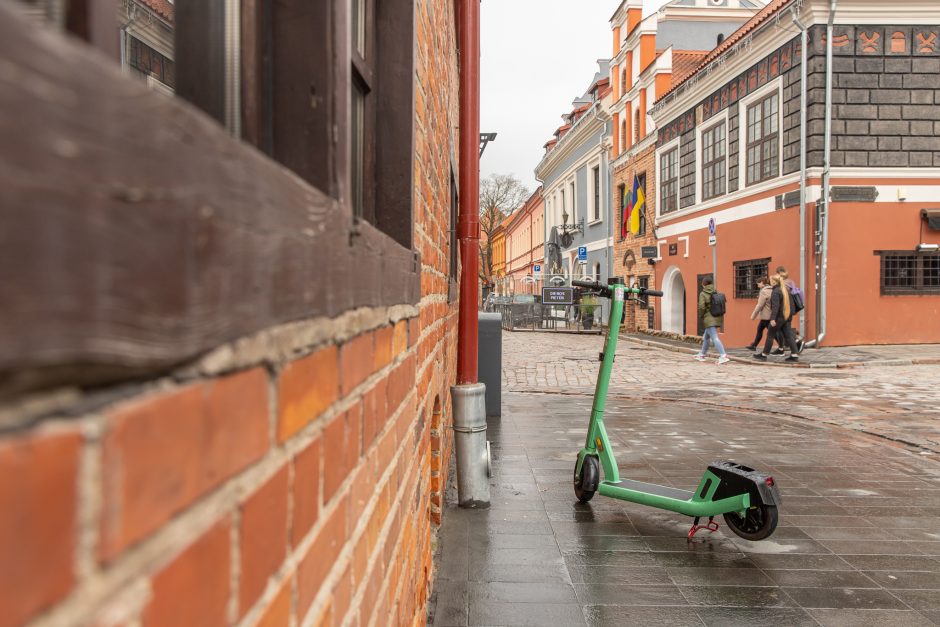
pixel 925 269
pixel 596 178
pixel 714 165
pixel 762 139
pixel 642 178
pixel 621 205
pixel 746 274
pixel 669 181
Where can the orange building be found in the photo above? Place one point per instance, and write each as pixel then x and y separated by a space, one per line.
pixel 525 245
pixel 728 152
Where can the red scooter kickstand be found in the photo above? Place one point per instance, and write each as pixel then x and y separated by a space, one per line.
pixel 712 526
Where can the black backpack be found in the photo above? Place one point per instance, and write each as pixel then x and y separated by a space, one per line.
pixel 796 301
pixel 718 304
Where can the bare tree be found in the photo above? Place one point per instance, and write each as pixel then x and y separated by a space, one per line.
pixel 500 195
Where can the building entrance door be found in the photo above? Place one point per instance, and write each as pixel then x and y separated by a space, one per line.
pixel 674 302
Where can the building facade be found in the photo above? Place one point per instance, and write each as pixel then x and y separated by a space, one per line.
pixel 227 396
pixel 728 152
pixel 576 187
pixel 525 246
pixel 650 54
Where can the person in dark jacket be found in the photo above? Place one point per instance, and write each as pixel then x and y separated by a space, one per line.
pixel 710 322
pixel 781 312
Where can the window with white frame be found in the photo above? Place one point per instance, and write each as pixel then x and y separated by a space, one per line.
pixel 714 161
pixel 596 177
pixel 574 204
pixel 669 180
pixel 763 139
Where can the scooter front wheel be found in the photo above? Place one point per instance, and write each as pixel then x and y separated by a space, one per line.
pixel 587 478
pixel 758 522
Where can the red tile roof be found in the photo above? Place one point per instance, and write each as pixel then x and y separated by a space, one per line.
pixel 772 8
pixel 163 8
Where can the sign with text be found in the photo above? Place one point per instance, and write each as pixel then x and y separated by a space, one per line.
pixel 557 295
pixel 712 240
pixel 582 253
pixel 649 252
pixel 650 318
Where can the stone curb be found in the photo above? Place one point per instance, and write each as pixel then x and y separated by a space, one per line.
pixel 753 362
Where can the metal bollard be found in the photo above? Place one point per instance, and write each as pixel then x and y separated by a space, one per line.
pixel 490 364
pixel 473 451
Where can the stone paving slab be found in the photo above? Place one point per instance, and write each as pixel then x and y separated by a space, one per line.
pixel 538 557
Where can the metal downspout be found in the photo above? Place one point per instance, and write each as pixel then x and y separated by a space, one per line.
pixel 803 45
pixel 468 226
pixel 824 192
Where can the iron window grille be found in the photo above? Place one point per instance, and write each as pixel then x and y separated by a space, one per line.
pixel 746 274
pixel 907 273
pixel 763 160
pixel 713 162
pixel 669 175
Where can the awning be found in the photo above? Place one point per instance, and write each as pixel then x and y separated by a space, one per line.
pixel 933 218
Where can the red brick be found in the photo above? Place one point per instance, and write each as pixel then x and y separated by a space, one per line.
pixel 383 348
pixel 194 588
pixel 318 562
pixel 263 539
pixel 164 452
pixel 341 449
pixel 342 597
pixel 306 387
pixel 278 613
pixel 38 485
pixel 400 338
pixel 374 412
pixel 355 361
pixel 306 490
pixel 414 330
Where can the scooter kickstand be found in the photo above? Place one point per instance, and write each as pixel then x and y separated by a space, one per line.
pixel 712 526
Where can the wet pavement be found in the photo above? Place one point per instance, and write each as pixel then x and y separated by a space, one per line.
pixel 858 541
pixel 859 535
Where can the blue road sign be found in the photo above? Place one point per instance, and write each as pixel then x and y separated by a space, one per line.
pixel 582 253
pixel 538 269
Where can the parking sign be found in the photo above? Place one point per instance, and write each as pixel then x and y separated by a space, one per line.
pixel 538 268
pixel 582 253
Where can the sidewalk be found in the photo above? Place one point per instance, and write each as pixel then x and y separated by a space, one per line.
pixel 826 357
pixel 857 542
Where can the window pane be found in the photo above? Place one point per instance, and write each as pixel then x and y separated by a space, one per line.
pixel 358 25
pixel 931 271
pixel 358 147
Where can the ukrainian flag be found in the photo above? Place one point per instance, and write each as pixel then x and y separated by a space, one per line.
pixel 633 208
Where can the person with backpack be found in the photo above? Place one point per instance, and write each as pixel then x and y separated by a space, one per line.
pixel 781 312
pixel 711 310
pixel 761 312
pixel 798 304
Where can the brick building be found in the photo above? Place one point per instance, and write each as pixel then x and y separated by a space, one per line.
pixel 728 149
pixel 651 53
pixel 225 365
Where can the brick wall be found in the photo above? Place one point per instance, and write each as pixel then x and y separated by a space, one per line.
pixel 636 318
pixel 290 477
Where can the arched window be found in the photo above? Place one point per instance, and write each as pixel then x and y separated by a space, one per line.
pixel 624 88
pixel 623 136
pixel 636 126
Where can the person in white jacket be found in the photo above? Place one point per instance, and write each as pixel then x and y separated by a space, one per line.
pixel 762 312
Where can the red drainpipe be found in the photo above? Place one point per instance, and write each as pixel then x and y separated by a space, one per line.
pixel 468 224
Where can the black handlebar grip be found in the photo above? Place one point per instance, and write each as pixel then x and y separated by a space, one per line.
pixel 591 285
pixel 653 293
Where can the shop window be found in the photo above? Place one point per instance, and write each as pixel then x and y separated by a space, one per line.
pixel 746 274
pixel 903 272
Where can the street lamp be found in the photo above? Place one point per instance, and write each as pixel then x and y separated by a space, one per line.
pixel 486 138
pixel 566 231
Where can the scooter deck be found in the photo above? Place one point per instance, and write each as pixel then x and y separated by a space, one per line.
pixel 672 499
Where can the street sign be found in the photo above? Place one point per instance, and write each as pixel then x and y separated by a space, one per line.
pixel 648 252
pixel 712 240
pixel 712 227
pixel 557 295
pixel 582 253
pixel 538 269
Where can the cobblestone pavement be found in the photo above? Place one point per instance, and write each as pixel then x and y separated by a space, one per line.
pixel 900 403
pixel 858 541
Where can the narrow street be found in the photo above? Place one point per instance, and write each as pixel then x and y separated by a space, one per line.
pixel 859 537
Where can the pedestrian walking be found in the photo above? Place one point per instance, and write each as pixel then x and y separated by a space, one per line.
pixel 711 310
pixel 796 300
pixel 761 312
pixel 781 312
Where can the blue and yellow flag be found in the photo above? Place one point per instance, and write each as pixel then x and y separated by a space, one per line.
pixel 633 207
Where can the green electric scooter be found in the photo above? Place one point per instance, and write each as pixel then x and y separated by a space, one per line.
pixel 748 499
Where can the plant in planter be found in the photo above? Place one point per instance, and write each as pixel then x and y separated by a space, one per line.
pixel 588 306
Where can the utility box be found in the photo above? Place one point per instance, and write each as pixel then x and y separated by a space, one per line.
pixel 490 360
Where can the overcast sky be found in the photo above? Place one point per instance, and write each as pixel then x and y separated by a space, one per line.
pixel 537 56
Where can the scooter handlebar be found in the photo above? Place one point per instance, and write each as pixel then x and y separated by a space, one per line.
pixel 591 285
pixel 652 293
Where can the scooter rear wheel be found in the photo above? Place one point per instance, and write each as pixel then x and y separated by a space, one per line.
pixel 588 476
pixel 758 523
